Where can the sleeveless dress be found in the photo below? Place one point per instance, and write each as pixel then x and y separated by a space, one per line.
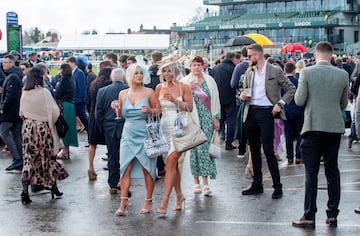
pixel 132 140
pixel 169 112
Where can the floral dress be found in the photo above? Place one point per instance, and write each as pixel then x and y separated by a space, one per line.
pixel 201 163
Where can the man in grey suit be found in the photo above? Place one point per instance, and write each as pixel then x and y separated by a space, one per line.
pixel 261 91
pixel 111 127
pixel 323 92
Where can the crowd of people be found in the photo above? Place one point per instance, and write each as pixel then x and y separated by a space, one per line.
pixel 248 96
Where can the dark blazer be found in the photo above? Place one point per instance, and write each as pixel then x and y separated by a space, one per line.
pixel 274 81
pixel 104 114
pixel 11 94
pixel 80 90
pixel 293 111
pixel 222 75
pixel 65 89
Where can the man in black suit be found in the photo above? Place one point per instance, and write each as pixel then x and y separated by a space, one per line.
pixel 110 125
pixel 222 75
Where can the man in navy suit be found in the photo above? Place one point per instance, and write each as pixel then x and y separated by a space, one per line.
pixel 111 127
pixel 80 92
pixel 294 120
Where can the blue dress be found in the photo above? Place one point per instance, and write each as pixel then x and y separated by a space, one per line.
pixel 132 140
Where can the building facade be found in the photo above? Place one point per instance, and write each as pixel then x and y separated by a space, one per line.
pixel 283 21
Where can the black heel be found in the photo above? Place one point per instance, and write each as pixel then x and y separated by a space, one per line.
pixel 25 198
pixel 55 191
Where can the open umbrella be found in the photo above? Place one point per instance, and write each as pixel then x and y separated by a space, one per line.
pixel 261 39
pixel 294 47
pixel 239 41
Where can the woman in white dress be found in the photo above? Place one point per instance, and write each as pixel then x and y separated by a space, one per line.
pixel 173 96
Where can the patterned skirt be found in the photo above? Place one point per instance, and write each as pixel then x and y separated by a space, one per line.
pixel 40 165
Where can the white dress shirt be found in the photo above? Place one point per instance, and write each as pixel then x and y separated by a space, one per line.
pixel 259 97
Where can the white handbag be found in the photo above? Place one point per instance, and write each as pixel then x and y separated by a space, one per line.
pixel 193 137
pixel 155 143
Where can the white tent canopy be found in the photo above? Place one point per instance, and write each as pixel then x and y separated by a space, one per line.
pixel 114 42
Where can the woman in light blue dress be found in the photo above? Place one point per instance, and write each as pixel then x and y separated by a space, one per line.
pixel 135 104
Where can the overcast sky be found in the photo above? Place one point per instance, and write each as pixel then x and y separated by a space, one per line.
pixel 75 16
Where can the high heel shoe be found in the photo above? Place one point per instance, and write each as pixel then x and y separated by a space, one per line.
pixel 180 201
pixel 163 209
pixel 55 191
pixel 146 210
pixel 92 175
pixel 122 209
pixel 63 155
pixel 25 198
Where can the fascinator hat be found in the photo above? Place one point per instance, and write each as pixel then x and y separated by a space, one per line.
pixel 175 64
pixel 141 63
pixel 131 70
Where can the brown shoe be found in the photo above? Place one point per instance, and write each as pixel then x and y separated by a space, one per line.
pixel 299 161
pixel 229 147
pixel 303 223
pixel 349 144
pixel 113 190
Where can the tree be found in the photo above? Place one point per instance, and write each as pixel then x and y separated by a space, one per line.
pixel 93 31
pixel 36 35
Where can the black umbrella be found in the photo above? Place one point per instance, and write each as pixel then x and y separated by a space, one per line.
pixel 308 55
pixel 239 41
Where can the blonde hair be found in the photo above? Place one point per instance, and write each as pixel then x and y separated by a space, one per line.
pixel 175 69
pixel 130 72
pixel 300 65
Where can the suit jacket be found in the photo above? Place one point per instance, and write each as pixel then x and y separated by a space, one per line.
pixel 274 81
pixel 80 89
pixel 323 91
pixel 104 114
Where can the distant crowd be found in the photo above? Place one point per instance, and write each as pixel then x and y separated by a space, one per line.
pixel 249 99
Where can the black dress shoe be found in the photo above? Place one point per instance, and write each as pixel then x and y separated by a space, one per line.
pixel 253 190
pixel 303 223
pixel 15 165
pixel 357 210
pixel 229 147
pixel 278 193
pixel 332 222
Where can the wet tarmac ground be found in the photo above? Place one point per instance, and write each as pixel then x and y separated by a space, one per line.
pixel 87 208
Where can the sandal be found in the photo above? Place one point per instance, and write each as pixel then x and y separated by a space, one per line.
pixel 145 209
pixel 122 209
pixel 207 191
pixel 63 156
pixel 197 188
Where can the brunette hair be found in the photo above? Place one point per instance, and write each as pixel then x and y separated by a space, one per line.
pixel 34 78
pixel 66 70
pixel 198 59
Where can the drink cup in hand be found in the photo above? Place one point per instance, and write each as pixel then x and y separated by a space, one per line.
pixel 116 105
pixel 248 93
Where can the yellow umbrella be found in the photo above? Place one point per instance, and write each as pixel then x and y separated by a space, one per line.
pixel 261 39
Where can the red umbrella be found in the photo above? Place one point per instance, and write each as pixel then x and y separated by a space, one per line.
pixel 294 47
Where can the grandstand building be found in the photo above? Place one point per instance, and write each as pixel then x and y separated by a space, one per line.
pixel 283 21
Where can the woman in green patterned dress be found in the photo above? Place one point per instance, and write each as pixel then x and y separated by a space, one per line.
pixel 206 113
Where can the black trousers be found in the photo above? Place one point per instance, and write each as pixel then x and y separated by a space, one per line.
pixel 292 132
pixel 314 145
pixel 228 117
pixel 259 128
pixel 113 146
